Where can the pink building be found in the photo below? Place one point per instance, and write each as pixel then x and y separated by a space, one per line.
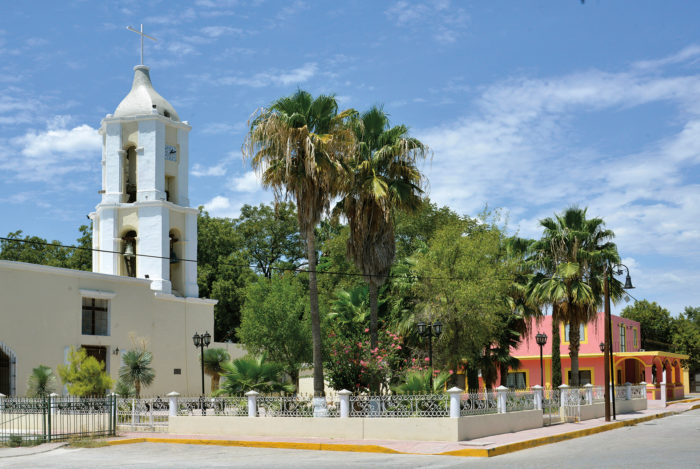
pixel 631 363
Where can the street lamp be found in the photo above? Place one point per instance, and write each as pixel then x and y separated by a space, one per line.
pixel 430 331
pixel 611 270
pixel 541 339
pixel 201 341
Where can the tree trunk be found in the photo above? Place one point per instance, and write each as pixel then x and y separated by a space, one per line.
pixel 294 376
pixel 315 315
pixel 373 314
pixel 556 359
pixel 574 344
pixel 215 382
pixel 504 373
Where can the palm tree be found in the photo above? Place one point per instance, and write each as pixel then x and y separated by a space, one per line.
pixel 252 374
pixel 418 382
pixel 137 370
pixel 297 146
pixel 41 382
pixel 572 254
pixel 214 359
pixel 382 177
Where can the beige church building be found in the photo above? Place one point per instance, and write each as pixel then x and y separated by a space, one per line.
pixel 144 279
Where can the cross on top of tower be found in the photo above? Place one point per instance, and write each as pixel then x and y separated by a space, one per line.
pixel 141 33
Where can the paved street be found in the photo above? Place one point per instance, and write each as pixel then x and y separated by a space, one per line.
pixel 669 442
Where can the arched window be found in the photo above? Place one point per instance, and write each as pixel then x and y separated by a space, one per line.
pixel 129 253
pixel 130 175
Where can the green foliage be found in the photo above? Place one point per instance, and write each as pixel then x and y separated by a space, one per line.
pixel 276 322
pixel 41 382
pixel 252 374
pixel 214 358
pixel 464 285
pixel 35 250
pixel 685 336
pixel 83 375
pixel 124 389
pixel 418 382
pixel 136 370
pixel 655 323
pixel 270 236
pixel 222 271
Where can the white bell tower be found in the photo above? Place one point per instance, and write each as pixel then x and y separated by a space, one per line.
pixel 143 226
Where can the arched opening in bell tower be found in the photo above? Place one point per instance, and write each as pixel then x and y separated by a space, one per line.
pixel 130 175
pixel 127 266
pixel 176 269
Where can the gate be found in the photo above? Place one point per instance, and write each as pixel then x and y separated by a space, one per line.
pixel 551 406
pixel 146 414
pixel 571 399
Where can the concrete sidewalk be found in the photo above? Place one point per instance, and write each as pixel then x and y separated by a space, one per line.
pixel 480 447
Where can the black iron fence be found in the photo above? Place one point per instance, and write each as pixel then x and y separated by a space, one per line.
pixel 37 420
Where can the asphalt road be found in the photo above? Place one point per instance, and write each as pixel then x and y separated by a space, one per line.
pixel 672 442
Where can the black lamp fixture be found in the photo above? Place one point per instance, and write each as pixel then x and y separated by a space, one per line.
pixel 611 270
pixel 541 339
pixel 602 346
pixel 201 341
pixel 430 330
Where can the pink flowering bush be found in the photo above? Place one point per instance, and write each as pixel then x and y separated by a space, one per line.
pixel 352 364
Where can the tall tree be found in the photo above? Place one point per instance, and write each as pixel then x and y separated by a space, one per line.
pixel 298 145
pixel 572 256
pixel 36 250
pixel 275 321
pixel 655 323
pixel 83 375
pixel 382 178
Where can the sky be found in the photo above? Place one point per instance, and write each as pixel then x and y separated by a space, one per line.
pixel 528 107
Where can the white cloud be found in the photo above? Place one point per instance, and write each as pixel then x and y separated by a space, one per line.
pixel 272 77
pixel 223 128
pixel 49 154
pixel 445 21
pixel 217 204
pixel 217 170
pixel 217 31
pixel 249 182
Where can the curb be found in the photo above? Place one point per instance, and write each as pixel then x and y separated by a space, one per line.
pixel 31 453
pixel 466 452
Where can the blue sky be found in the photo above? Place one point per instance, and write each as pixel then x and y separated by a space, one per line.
pixel 528 106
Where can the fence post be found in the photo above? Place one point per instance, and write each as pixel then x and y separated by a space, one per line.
pixel 589 393
pixel 502 390
pixel 455 394
pixel 2 402
pixel 172 404
pixel 563 398
pixel 344 403
pixel 113 414
pixel 133 414
pixel 643 389
pixel 252 403
pixel 663 393
pixel 539 396
pixel 628 390
pixel 52 412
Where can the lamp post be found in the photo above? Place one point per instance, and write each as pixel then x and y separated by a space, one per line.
pixel 541 339
pixel 201 341
pixel 611 270
pixel 430 331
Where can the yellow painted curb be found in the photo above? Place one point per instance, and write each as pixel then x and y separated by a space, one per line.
pixel 470 452
pixel 263 444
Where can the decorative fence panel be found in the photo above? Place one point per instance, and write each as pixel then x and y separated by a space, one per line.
pixel 478 403
pixel 400 405
pixel 520 400
pixel 146 414
pixel 56 418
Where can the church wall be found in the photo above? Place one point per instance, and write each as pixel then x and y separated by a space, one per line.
pixel 41 316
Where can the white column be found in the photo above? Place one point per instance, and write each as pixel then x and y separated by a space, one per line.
pixel 191 286
pixel 108 240
pixel 183 168
pixel 252 403
pixel 150 162
pixel 172 403
pixel 502 390
pixel 643 385
pixel 112 156
pixel 154 223
pixel 539 396
pixel 563 395
pixel 663 393
pixel 589 393
pixel 133 413
pixel 628 390
pixel 345 403
pixel 455 397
